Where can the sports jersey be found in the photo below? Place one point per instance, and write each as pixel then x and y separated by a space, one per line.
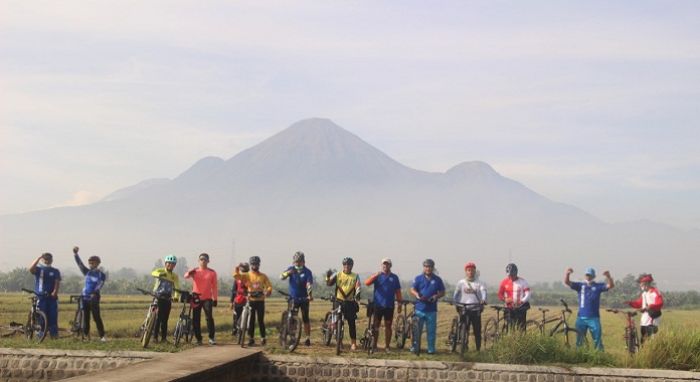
pixel 386 289
pixel 300 282
pixel 204 283
pixel 45 279
pixel 470 292
pixel 166 283
pixel 589 298
pixel 94 279
pixel 427 287
pixel 650 299
pixel 517 290
pixel 239 293
pixel 347 285
pixel 257 283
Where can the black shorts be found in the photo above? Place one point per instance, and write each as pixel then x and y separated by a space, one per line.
pixel 304 308
pixel 386 313
pixel 350 309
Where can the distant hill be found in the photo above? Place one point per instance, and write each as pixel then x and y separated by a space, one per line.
pixel 318 188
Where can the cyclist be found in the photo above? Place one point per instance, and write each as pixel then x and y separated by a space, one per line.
pixel 514 291
pixel 387 290
pixel 301 280
pixel 427 288
pixel 259 287
pixel 94 280
pixel 164 287
pixel 588 317
pixel 650 302
pixel 347 292
pixel 470 290
pixel 239 293
pixel 47 281
pixel 204 283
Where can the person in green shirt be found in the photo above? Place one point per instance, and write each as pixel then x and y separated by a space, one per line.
pixel 165 288
pixel 347 292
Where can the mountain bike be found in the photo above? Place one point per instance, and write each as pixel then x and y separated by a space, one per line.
pixel 403 324
pixel 459 330
pixel 333 322
pixel 78 325
pixel 37 324
pixel 369 338
pixel 561 327
pixel 496 326
pixel 290 325
pixel 244 320
pixel 183 327
pixel 148 326
pixel 631 338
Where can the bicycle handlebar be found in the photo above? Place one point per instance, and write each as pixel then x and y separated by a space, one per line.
pixel 34 293
pixel 566 306
pixel 627 312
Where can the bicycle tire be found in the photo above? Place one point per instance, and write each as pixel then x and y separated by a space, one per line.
pixel 464 337
pixel 400 332
pixel 189 330
pixel 235 326
pixel 283 329
pixel 37 326
pixel 453 335
pixel 245 318
pixel 417 334
pixel 78 325
pixel 327 329
pixel 294 332
pixel 489 335
pixel 533 325
pixel 631 341
pixel 339 335
pixel 149 327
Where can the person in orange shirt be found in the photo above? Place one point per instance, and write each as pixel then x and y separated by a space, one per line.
pixel 205 284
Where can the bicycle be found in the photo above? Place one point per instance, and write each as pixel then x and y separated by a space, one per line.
pixel 561 327
pixel 369 338
pixel 290 325
pixel 403 325
pixel 37 323
pixel 246 314
pixel 631 338
pixel 459 330
pixel 183 327
pixel 149 323
pixel 332 326
pixel 78 325
pixel 494 327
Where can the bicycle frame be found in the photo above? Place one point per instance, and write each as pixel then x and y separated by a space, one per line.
pixel 149 324
pixel 78 324
pixel 290 326
pixel 459 332
pixel 333 324
pixel 184 328
pixel 630 336
pixel 402 326
pixel 369 339
pixel 37 322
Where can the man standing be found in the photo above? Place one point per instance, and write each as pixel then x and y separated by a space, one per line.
pixel 205 284
pixel 165 288
pixel 94 280
pixel 588 317
pixel 347 293
pixel 514 291
pixel 47 280
pixel 387 290
pixel 301 280
pixel 650 302
pixel 472 292
pixel 259 287
pixel 427 288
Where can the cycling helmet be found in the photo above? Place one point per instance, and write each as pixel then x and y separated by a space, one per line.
pixel 94 258
pixel 512 269
pixel 298 256
pixel 47 256
pixel 646 278
pixel 469 265
pixel 429 263
pixel 348 261
pixel 170 259
pixel 254 260
pixel 244 267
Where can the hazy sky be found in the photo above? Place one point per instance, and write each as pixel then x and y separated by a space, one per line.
pixel 592 103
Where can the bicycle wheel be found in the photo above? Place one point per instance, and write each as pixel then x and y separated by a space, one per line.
pixel 417 334
pixel 37 326
pixel 235 326
pixel 327 329
pixel 189 330
pixel 78 325
pixel 283 329
pixel 339 335
pixel 489 334
pixel 179 331
pixel 631 341
pixel 464 337
pixel 245 318
pixel 453 336
pixel 400 332
pixel 149 326
pixel 533 325
pixel 293 333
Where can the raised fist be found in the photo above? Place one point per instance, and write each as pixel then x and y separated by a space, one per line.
pixel 76 249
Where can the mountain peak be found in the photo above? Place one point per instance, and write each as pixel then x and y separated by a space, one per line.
pixel 473 169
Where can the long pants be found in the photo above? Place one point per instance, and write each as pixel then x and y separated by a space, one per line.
pixel 429 318
pixel 197 319
pixel 583 324
pixel 475 324
pixel 164 306
pixel 648 331
pixel 93 306
pixel 49 306
pixel 518 317
pixel 257 310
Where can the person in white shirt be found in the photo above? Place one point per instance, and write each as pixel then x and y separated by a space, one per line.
pixel 471 291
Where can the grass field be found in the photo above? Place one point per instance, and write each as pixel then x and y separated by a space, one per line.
pixel 123 315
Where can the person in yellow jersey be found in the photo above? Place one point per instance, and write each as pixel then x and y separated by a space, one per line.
pixel 165 288
pixel 259 287
pixel 347 292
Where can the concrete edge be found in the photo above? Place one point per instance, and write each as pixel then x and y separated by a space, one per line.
pixel 83 353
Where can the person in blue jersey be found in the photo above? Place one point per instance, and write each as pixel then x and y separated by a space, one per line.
pixel 47 281
pixel 427 288
pixel 589 292
pixel 387 290
pixel 301 280
pixel 94 280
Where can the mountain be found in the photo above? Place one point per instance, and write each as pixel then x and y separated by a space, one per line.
pixel 318 188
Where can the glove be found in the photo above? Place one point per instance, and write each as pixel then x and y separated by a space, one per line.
pixel 329 273
pixel 215 303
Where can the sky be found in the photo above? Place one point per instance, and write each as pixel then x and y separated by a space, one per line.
pixel 593 104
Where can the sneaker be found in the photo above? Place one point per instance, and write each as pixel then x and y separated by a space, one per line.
pixel 199 342
pixel 431 352
pixel 387 350
pixel 412 350
pixel 307 342
pixel 263 342
pixel 251 342
pixel 103 339
pixel 212 342
pixel 353 347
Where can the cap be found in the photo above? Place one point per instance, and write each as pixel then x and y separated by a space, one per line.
pixel 646 279
pixel 590 271
pixel 386 260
